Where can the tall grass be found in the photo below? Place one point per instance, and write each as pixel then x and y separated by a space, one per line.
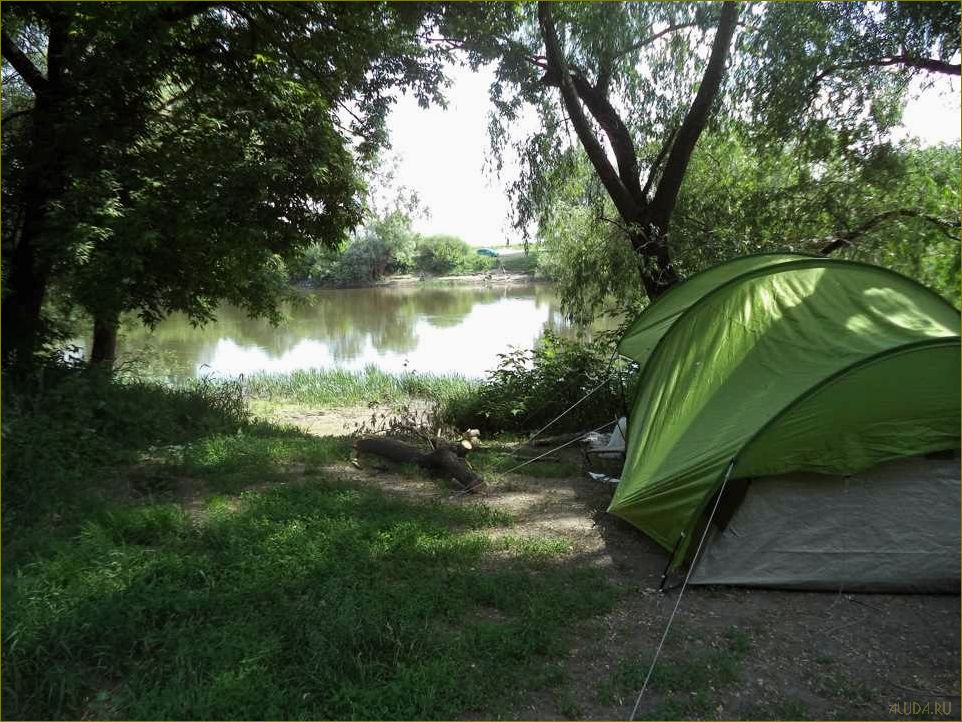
pixel 337 387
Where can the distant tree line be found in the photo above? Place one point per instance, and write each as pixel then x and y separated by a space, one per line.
pixel 386 245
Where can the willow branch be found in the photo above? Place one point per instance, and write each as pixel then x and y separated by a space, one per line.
pixel 652 38
pixel 663 151
pixel 697 117
pixel 611 123
pixel 933 65
pixel 850 237
pixel 620 195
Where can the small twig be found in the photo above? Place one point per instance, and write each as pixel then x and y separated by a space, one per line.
pixel 925 691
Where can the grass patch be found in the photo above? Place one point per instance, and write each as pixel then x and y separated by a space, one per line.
pixel 335 387
pixel 687 681
pixel 308 599
pixel 68 431
pixel 496 460
pixel 319 600
pixel 235 461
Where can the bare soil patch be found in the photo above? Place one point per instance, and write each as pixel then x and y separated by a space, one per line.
pixel 325 422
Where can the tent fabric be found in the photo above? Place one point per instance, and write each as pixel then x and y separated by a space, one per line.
pixel 644 334
pixel 781 363
pixel 894 527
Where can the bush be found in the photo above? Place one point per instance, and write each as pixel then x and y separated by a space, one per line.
pixel 316 264
pixel 385 246
pixel 448 254
pixel 530 388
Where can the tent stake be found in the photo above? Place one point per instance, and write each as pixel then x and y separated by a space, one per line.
pixel 671 557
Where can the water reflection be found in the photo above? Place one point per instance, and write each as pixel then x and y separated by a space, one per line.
pixel 439 330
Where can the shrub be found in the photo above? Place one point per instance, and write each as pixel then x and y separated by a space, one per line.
pixel 448 254
pixel 531 387
pixel 316 264
pixel 386 245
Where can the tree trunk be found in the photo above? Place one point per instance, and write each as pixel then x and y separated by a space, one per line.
pixel 29 263
pixel 657 274
pixel 20 322
pixel 103 352
pixel 647 220
pixel 446 460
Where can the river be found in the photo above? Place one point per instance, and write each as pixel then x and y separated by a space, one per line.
pixel 449 329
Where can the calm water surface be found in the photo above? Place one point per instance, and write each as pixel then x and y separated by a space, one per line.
pixel 438 330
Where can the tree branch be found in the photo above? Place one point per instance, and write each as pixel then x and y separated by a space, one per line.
pixel 652 38
pixel 933 65
pixel 606 115
pixel 22 64
pixel 653 173
pixel 511 47
pixel 620 195
pixel 848 239
pixel 667 192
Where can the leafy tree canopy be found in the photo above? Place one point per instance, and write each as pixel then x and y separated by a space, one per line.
pixel 898 208
pixel 173 154
pixel 638 83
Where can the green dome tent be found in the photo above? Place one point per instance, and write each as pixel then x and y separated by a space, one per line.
pixel 779 363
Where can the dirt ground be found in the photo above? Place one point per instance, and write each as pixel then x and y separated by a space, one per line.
pixel 815 655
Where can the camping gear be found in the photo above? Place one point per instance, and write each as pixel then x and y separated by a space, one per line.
pixel 604 454
pixel 609 446
pixel 823 383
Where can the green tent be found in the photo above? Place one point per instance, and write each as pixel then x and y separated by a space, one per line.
pixel 779 363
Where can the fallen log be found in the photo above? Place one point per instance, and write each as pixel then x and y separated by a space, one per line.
pixel 446 459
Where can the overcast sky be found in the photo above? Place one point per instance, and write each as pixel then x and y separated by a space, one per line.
pixel 441 153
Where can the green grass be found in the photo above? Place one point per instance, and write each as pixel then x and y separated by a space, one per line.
pixel 496 460
pixel 66 431
pixel 316 600
pixel 212 570
pixel 333 388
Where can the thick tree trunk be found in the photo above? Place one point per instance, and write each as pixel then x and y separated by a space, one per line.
pixel 658 274
pixel 103 351
pixel 29 264
pixel 647 219
pixel 20 321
